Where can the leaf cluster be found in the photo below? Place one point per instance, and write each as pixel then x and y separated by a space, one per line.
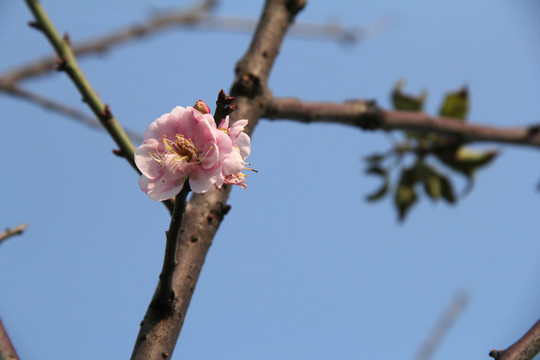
pixel 427 149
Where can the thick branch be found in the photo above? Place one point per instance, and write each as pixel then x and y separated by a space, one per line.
pixel 17 230
pixel 525 348
pixel 206 211
pixel 162 313
pixel 7 351
pixel 366 114
pixel 165 293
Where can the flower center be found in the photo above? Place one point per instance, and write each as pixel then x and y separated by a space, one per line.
pixel 181 148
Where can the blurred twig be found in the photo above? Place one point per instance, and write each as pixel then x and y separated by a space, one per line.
pixel 525 348
pixel 444 323
pixel 199 17
pixel 17 230
pixel 62 109
pixel 331 31
pixel 7 351
pixel 103 43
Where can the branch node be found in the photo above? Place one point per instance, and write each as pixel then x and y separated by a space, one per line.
pixel 17 230
pixel 67 38
pixel 533 130
pixel 496 354
pixel 119 153
pixel 294 6
pixel 61 63
pixel 247 84
pixel 106 113
pixel 35 25
pixel 372 118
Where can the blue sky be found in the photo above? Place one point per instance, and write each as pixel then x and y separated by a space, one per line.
pixel 302 267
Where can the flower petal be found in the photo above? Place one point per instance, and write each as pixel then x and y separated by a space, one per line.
pixel 234 163
pixel 224 124
pixel 243 142
pixel 144 160
pixel 237 128
pixel 202 180
pixel 209 155
pixel 159 189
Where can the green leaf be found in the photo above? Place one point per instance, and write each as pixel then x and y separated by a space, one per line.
pixel 435 183
pixel 432 186
pixel 374 159
pixel 447 190
pixel 407 102
pixel 405 196
pixel 379 194
pixel 466 160
pixel 456 104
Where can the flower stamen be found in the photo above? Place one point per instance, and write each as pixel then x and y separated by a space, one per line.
pixel 182 148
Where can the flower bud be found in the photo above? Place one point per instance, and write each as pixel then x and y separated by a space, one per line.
pixel 201 107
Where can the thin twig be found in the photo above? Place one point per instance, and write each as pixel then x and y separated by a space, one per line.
pixel 17 230
pixel 62 109
pixel 68 63
pixel 525 348
pixel 103 43
pixel 317 31
pixel 198 17
pixel 7 351
pixel 367 115
pixel 205 212
pixel 443 325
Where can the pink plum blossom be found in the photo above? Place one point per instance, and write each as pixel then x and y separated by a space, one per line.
pixel 234 161
pixel 186 143
pixel 176 146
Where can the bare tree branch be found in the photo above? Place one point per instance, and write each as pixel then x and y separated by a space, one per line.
pixel 103 43
pixel 443 325
pixel 198 16
pixel 7 351
pixel 367 115
pixel 17 230
pixel 62 109
pixel 330 31
pixel 525 348
pixel 206 211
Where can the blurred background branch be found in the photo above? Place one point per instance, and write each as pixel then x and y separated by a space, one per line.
pixel 57 107
pixel 452 312
pixel 198 16
pixel 17 230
